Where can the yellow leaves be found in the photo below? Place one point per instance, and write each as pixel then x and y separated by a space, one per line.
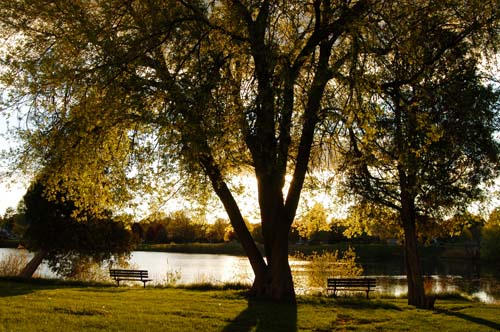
pixel 314 221
pixel 330 264
pixel 371 220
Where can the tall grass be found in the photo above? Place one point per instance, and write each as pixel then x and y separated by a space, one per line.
pixel 12 264
pixel 171 277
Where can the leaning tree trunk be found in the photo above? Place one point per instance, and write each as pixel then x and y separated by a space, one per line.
pixel 32 265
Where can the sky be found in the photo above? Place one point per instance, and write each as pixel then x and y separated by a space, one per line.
pixel 11 189
pixel 10 196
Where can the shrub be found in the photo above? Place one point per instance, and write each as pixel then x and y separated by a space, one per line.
pixel 490 243
pixel 330 264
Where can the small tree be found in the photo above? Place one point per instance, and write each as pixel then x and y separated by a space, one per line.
pixel 217 230
pixel 180 228
pixel 490 242
pixel 64 238
pixel 313 223
pixel 330 264
pixel 156 232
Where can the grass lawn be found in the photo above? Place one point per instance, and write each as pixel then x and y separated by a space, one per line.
pixel 56 306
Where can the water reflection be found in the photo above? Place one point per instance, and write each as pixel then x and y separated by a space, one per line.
pixel 444 277
pixel 194 268
pixel 485 289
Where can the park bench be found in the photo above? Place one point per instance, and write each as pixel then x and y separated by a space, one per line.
pixel 134 275
pixel 351 284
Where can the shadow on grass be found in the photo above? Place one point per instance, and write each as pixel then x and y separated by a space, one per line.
pixel 14 286
pixel 472 319
pixel 261 316
pixel 359 303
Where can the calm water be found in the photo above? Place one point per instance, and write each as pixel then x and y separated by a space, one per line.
pixel 441 276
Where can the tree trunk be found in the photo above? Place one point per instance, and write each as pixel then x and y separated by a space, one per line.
pixel 277 282
pixel 406 131
pixel 416 293
pixel 32 265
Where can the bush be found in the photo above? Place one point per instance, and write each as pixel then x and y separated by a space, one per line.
pixel 330 264
pixel 490 243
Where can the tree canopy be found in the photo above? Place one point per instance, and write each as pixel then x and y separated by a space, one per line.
pixel 119 94
pixel 422 140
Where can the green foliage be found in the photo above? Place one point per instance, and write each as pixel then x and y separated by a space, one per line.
pixel 13 222
pixel 494 217
pixel 223 248
pixel 71 241
pixel 217 230
pixel 369 219
pixel 181 228
pixel 424 123
pixel 312 223
pixel 490 242
pixel 156 233
pixel 330 264
pixel 490 236
pixel 178 227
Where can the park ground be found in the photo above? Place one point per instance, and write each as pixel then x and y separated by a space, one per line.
pixel 61 306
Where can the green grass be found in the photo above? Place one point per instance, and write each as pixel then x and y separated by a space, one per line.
pixel 57 306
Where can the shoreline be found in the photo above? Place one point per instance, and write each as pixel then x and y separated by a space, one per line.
pixel 373 252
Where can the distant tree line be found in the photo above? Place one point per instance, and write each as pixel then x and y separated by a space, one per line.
pixel 314 226
pixel 178 227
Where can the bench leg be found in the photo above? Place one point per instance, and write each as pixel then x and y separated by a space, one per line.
pixel 144 282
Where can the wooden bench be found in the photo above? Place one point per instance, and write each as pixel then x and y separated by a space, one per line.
pixel 351 284
pixel 134 275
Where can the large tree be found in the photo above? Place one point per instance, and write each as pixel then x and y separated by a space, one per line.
pixel 119 90
pixel 427 143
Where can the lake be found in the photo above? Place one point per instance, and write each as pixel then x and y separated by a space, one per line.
pixel 441 276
